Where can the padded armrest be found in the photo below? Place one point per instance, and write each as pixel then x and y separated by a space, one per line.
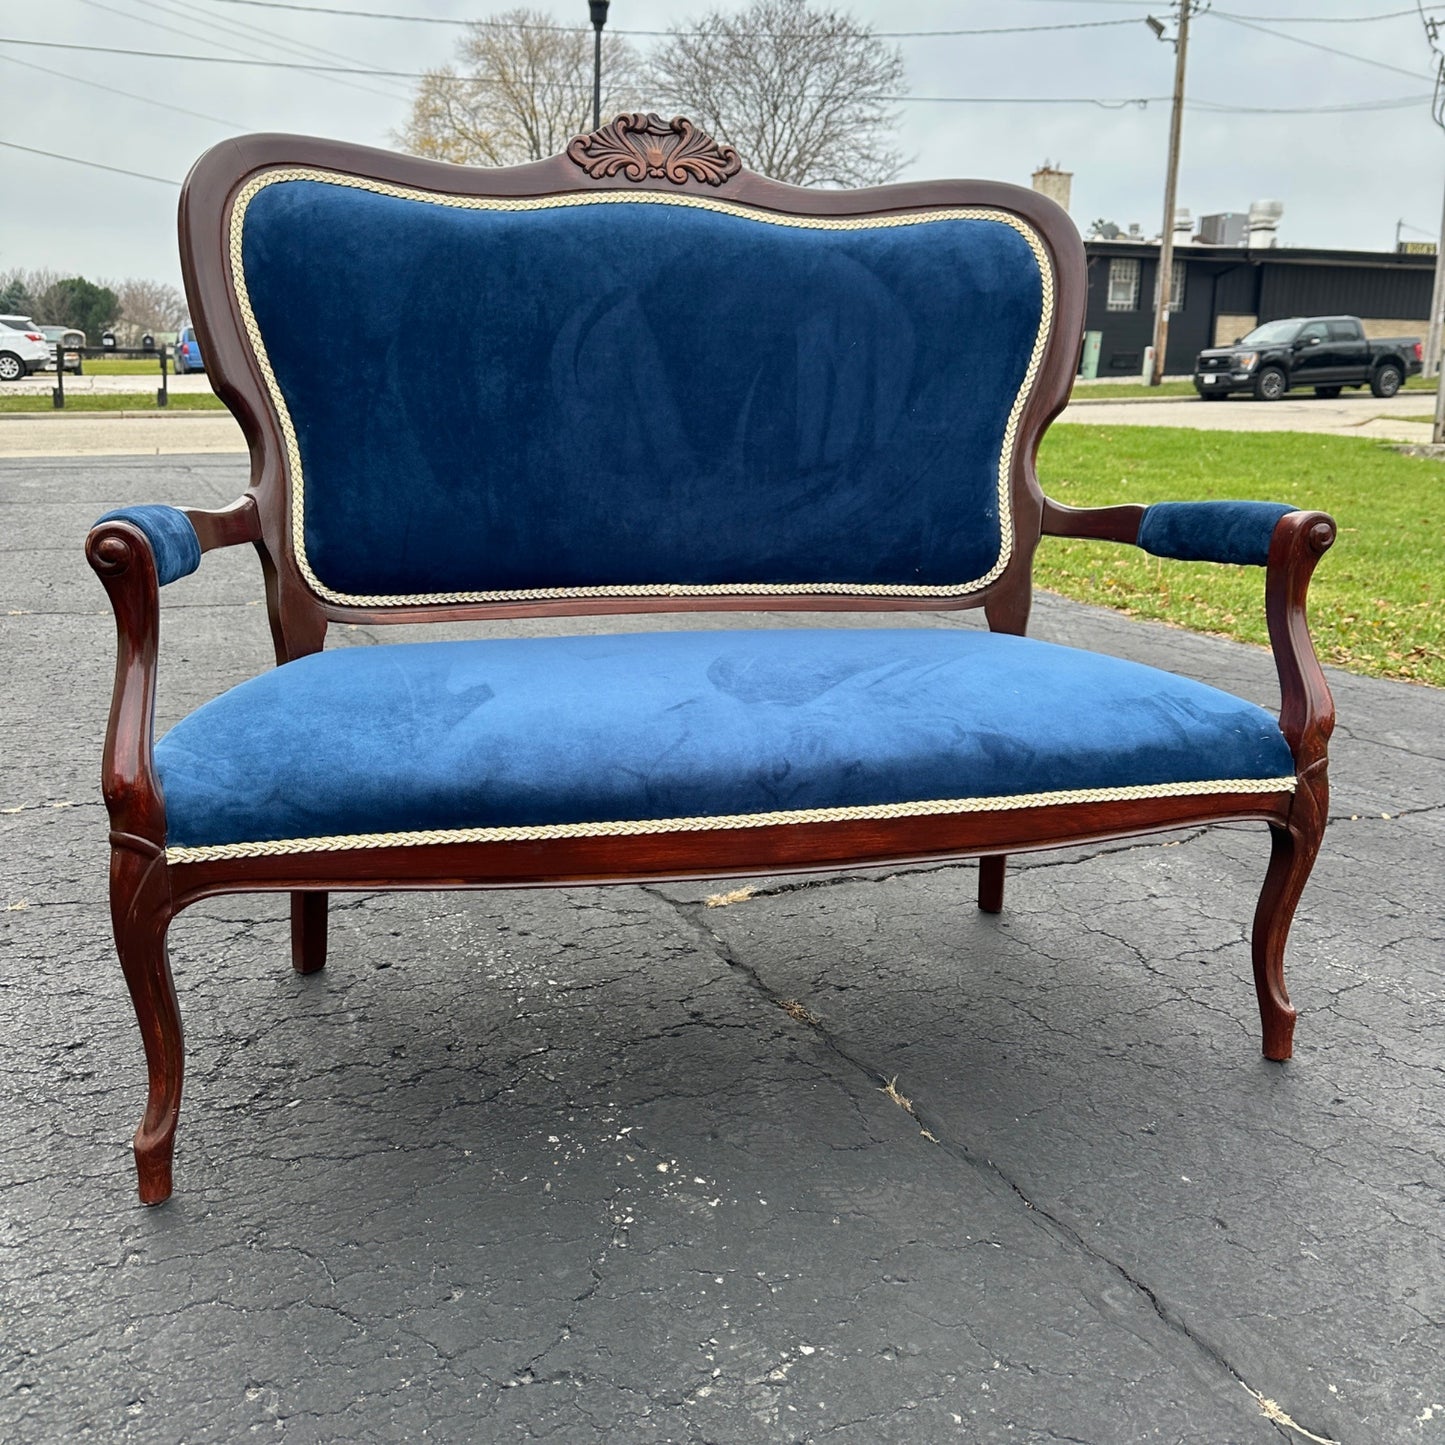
pixel 173 539
pixel 1238 532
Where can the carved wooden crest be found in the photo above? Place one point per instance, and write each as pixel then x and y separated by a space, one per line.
pixel 638 146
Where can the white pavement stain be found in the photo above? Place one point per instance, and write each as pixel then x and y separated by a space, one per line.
pixel 1404 418
pixel 43 383
pixel 158 433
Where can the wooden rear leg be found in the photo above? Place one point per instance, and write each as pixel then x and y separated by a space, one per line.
pixel 308 932
pixel 990 882
pixel 141 910
pixel 1292 856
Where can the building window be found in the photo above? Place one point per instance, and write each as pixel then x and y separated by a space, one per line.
pixel 1176 288
pixel 1123 284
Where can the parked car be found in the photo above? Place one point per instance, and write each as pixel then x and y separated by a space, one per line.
pixel 23 348
pixel 67 337
pixel 1328 353
pixel 188 351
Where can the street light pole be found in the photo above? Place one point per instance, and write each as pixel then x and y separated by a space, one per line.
pixel 599 19
pixel 1171 185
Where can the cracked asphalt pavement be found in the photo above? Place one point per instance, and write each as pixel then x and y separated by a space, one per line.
pixel 841 1159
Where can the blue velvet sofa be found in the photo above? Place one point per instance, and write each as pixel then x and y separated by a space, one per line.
pixel 673 385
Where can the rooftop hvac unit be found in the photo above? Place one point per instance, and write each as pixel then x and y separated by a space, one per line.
pixel 1224 228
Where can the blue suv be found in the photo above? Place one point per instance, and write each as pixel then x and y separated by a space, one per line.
pixel 188 352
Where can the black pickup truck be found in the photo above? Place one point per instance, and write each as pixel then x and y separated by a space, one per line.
pixel 1328 353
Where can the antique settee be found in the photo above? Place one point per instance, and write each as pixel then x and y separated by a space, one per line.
pixel 670 385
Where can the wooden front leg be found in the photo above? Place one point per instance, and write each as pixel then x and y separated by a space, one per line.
pixel 308 932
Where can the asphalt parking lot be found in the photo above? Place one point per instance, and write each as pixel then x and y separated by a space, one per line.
pixel 616 1165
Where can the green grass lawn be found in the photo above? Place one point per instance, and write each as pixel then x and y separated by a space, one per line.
pixel 124 366
pixel 114 401
pixel 1118 390
pixel 1376 601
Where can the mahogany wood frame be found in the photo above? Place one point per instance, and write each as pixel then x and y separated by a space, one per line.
pixel 147 891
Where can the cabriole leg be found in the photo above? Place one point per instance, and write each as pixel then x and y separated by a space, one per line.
pixel 990 882
pixel 1291 858
pixel 308 932
pixel 142 916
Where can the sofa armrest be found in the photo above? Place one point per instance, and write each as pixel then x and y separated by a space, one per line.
pixel 175 547
pixel 1285 541
pixel 1236 532
pixel 1100 524
pixel 135 551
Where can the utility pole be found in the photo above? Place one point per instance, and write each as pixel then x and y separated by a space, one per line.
pixel 1437 305
pixel 1437 321
pixel 599 19
pixel 1437 296
pixel 1171 186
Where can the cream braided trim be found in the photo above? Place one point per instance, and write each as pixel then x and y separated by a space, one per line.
pixel 926 808
pixel 252 188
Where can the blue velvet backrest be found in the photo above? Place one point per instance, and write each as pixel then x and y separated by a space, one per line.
pixel 617 393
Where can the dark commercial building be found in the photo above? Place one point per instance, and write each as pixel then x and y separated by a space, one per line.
pixel 1221 292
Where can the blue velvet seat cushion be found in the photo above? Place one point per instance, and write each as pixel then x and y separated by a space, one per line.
pixel 527 731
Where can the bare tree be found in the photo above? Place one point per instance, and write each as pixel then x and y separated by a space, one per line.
pixel 147 306
pixel 802 93
pixel 21 290
pixel 520 89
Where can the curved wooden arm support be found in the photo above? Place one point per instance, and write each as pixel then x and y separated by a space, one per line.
pixel 1103 524
pixel 1307 711
pixel 228 526
pixel 121 556
pixel 1307 718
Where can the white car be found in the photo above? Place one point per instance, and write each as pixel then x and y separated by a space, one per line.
pixel 23 348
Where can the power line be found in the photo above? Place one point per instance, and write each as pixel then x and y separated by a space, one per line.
pixel 1120 104
pixel 1315 45
pixel 72 79
pixel 1104 103
pixel 223 42
pixel 268 39
pixel 317 68
pixel 1323 19
pixel 585 30
pixel 320 69
pixel 1404 102
pixel 94 165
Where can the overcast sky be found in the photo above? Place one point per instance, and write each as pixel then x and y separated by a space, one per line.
pixel 1345 178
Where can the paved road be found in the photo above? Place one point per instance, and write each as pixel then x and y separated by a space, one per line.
pixel 557 1165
